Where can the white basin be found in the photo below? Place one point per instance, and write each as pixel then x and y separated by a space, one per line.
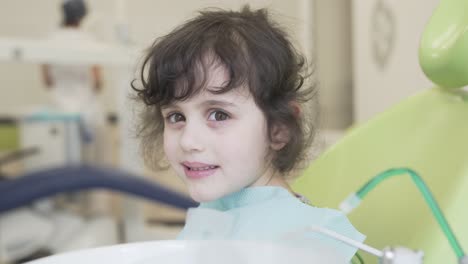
pixel 197 252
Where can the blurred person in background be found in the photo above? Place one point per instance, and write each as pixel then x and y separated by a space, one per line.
pixel 74 88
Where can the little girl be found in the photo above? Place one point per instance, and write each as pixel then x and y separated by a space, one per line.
pixel 222 100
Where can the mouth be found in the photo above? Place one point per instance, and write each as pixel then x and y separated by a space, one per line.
pixel 198 166
pixel 196 170
pixel 201 168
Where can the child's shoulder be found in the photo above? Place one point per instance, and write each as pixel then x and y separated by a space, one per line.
pixel 301 206
pixel 275 203
pixel 284 205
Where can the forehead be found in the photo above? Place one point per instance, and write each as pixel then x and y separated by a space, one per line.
pixel 216 75
pixel 211 82
pixel 236 97
pixel 206 74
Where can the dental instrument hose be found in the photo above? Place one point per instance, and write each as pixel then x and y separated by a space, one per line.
pixel 354 200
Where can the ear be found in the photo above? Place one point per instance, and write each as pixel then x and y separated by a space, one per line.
pixel 279 137
pixel 296 108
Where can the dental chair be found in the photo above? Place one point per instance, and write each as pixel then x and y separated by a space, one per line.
pixel 427 133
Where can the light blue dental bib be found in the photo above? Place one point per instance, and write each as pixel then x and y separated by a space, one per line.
pixel 267 213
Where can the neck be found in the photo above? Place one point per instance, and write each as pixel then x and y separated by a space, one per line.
pixel 279 180
pixel 273 178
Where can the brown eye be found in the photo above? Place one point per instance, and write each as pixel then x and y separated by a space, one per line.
pixel 218 116
pixel 175 117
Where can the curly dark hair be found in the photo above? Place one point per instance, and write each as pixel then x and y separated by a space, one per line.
pixel 256 53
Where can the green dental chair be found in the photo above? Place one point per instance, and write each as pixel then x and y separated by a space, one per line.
pixel 427 133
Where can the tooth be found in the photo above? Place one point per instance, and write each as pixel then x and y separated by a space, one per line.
pixel 202 168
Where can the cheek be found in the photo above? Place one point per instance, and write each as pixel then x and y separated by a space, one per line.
pixel 169 143
pixel 246 145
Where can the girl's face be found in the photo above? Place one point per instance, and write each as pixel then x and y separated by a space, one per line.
pixel 217 143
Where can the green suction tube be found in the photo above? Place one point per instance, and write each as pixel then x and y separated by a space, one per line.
pixel 364 190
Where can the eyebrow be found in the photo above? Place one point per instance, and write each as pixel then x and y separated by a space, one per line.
pixel 212 102
pixel 217 103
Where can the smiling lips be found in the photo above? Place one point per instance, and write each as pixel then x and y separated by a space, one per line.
pixel 197 170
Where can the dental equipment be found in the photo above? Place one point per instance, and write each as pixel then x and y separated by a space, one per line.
pixel 59 231
pixel 197 252
pixel 389 255
pixel 355 199
pixel 36 185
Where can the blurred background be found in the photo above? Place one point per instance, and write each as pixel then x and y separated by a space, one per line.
pixel 366 58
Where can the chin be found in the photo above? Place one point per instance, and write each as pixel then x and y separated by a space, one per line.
pixel 203 197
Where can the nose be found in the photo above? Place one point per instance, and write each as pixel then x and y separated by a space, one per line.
pixel 191 138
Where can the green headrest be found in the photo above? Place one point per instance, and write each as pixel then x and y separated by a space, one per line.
pixel 443 51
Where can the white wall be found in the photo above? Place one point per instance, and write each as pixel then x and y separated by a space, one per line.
pixel 21 85
pixel 334 68
pixel 376 88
